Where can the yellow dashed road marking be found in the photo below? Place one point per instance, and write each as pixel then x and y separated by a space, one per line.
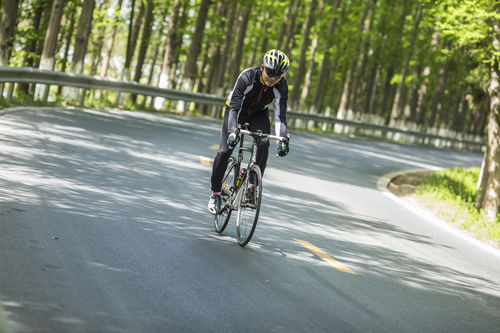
pixel 320 253
pixel 205 160
pixel 214 147
pixel 314 142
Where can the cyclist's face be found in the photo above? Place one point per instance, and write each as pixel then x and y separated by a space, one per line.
pixel 268 80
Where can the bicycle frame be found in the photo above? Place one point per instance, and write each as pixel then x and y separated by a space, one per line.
pixel 253 158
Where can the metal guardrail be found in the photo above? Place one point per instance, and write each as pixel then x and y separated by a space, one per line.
pixel 33 75
pixel 384 129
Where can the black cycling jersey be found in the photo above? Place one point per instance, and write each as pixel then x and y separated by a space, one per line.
pixel 250 96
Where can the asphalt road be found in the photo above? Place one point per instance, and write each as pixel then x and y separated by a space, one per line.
pixel 104 228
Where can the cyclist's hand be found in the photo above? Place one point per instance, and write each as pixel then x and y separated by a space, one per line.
pixel 232 140
pixel 283 148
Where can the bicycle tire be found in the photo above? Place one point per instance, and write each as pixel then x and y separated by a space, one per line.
pixel 249 206
pixel 228 186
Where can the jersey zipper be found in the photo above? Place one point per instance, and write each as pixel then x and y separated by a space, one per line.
pixel 258 100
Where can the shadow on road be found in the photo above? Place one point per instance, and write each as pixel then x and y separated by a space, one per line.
pixel 108 200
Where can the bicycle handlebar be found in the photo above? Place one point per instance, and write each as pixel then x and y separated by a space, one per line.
pixel 260 134
pixel 284 139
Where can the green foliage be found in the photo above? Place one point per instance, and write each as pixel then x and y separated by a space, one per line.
pixel 453 35
pixel 4 103
pixel 452 193
pixel 469 24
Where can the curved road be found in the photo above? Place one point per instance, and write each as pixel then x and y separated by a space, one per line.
pixel 104 228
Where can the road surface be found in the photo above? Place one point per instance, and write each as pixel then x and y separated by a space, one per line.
pixel 104 228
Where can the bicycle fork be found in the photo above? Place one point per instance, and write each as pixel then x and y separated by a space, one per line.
pixel 239 190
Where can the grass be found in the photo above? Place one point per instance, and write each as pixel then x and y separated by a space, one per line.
pixel 451 195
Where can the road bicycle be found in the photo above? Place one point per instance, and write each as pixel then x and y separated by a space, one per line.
pixel 242 188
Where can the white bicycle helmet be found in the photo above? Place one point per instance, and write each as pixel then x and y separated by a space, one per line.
pixel 275 62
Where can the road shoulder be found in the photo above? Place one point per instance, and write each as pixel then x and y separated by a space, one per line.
pixel 399 186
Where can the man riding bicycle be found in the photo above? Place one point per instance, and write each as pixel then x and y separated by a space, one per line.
pixel 248 102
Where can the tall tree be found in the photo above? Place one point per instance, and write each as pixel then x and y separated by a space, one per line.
pixel 146 33
pixel 298 75
pixel 32 41
pixel 101 22
pixel 238 50
pixel 324 71
pixel 81 42
pixel 7 26
pixel 49 47
pixel 312 57
pixel 133 36
pixel 476 27
pixel 219 81
pixel 363 55
pixel 111 39
pixel 171 45
pixel 190 68
pixel 292 27
pixel 82 36
pixel 398 99
pixel 67 33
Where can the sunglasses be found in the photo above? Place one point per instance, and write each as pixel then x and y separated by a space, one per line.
pixel 273 73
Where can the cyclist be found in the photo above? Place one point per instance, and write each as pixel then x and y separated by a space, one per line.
pixel 248 102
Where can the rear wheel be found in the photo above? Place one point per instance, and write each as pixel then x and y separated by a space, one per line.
pixel 249 205
pixel 228 187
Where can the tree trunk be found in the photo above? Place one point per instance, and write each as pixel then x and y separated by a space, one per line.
pixel 67 41
pixel 30 48
pixel 366 25
pixel 7 27
pixel 133 34
pixel 398 99
pixel 49 46
pixel 82 36
pixel 111 40
pixel 488 195
pixel 345 91
pixel 372 96
pixel 388 89
pixel 298 76
pixel 190 69
pixel 170 49
pixel 216 57
pixel 292 27
pixel 220 80
pixel 457 125
pixel 284 25
pixel 387 93
pixel 81 42
pixel 310 67
pixel 143 48
pixel 411 108
pixel 326 63
pixel 238 51
pixel 437 100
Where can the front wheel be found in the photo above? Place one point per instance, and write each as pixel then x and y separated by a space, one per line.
pixel 228 187
pixel 249 205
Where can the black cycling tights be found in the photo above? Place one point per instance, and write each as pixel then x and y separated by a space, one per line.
pixel 260 121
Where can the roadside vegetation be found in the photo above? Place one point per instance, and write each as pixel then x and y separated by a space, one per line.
pixel 451 195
